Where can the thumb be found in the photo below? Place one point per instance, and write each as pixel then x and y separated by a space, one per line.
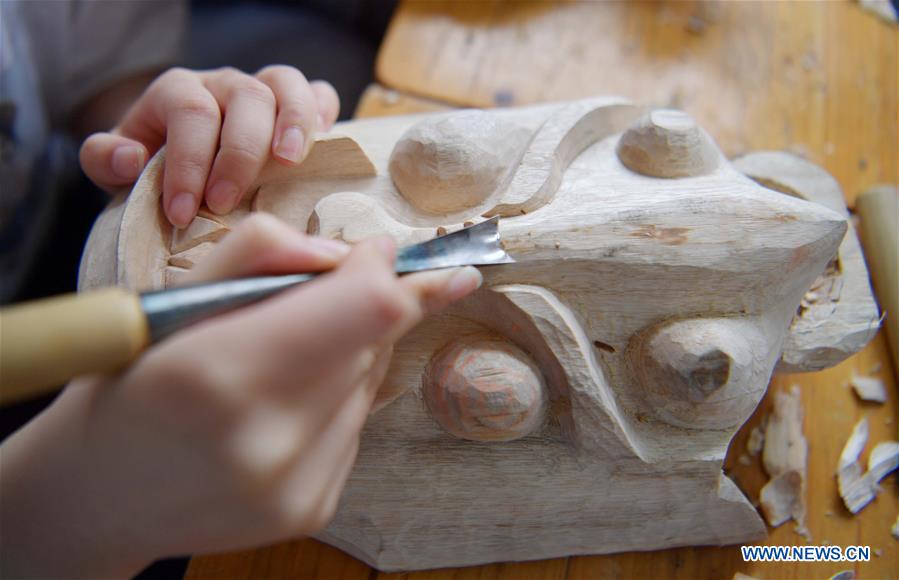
pixel 112 161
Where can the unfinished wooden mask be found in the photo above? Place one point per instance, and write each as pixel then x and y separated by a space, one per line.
pixel 583 400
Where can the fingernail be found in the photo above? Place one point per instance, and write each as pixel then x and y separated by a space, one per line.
pixel 128 161
pixel 331 249
pixel 182 209
pixel 465 281
pixel 222 196
pixel 290 146
pixel 386 247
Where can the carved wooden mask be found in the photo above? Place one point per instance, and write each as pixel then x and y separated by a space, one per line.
pixel 583 400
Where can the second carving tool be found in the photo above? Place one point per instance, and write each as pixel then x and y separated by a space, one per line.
pixel 47 342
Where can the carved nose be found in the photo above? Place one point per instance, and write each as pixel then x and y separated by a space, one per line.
pixel 700 373
pixel 709 374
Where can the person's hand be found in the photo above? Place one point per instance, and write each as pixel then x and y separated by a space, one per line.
pixel 238 431
pixel 219 127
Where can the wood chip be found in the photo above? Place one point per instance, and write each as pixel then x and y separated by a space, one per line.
pixel 856 488
pixel 785 457
pixel 869 388
pixel 849 472
pixel 756 440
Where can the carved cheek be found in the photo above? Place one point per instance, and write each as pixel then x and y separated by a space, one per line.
pixel 485 390
pixel 455 162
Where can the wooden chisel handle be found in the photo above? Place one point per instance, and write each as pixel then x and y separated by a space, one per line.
pixel 878 209
pixel 45 343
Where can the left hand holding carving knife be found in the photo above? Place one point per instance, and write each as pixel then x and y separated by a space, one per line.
pixel 240 430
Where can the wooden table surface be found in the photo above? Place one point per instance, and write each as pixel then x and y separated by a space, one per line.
pixel 818 79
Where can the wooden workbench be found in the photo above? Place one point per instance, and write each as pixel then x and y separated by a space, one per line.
pixel 816 79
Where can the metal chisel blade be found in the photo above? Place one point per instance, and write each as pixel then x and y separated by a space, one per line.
pixel 477 245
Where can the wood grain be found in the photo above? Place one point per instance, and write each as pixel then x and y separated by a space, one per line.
pixel 818 79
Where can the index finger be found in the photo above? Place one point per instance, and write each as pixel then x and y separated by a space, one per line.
pixel 193 122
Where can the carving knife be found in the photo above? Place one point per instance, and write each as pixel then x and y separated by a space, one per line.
pixel 47 342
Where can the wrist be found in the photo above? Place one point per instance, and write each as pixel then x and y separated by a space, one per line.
pixel 57 518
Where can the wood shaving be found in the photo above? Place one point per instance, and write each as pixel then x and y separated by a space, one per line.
pixel 849 472
pixel 756 440
pixel 785 457
pixel 884 460
pixel 780 498
pixel 869 389
pixel 825 293
pixel 856 488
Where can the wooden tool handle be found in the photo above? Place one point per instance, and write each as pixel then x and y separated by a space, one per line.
pixel 45 343
pixel 879 212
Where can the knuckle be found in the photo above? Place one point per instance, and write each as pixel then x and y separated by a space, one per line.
pixel 299 113
pixel 187 163
pixel 386 301
pixel 175 74
pixel 253 89
pixel 228 72
pixel 325 89
pixel 257 230
pixel 199 104
pixel 242 152
pixel 276 70
pixel 227 76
